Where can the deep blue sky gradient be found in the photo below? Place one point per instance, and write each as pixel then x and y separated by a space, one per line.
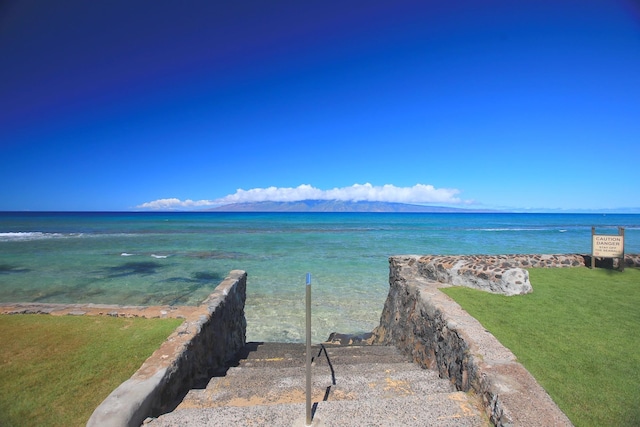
pixel 105 105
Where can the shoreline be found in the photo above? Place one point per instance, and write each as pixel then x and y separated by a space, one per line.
pixel 631 260
pixel 113 310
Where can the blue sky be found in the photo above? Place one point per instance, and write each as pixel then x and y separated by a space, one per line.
pixel 120 105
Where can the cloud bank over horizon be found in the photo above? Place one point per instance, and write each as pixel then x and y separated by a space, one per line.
pixel 418 194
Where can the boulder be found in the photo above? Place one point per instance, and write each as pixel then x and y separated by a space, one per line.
pixel 461 271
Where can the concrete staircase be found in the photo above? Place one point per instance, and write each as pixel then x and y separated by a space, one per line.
pixel 352 386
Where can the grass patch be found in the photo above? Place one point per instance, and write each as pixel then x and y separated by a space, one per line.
pixel 54 371
pixel 578 334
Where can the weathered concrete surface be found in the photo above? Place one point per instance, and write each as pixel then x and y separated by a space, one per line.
pixel 209 337
pixel 437 333
pixel 353 385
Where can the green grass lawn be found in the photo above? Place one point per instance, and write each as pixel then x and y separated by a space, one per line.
pixel 578 334
pixel 54 371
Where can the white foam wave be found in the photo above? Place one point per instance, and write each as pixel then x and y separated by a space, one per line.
pixel 39 235
pixel 511 229
pixel 159 256
pixel 126 254
pixel 25 236
pixel 561 230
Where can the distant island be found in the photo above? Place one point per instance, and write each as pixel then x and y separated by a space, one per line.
pixel 337 206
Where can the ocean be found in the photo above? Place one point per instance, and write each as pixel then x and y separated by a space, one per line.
pixel 137 258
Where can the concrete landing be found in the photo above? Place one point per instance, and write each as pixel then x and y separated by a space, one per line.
pixel 352 386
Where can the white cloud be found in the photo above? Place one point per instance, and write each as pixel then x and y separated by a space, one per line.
pixel 173 203
pixel 419 193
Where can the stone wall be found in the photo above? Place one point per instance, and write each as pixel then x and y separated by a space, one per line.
pixel 209 337
pixel 436 333
pixel 503 274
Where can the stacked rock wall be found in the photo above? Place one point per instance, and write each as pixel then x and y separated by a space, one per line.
pixel 207 339
pixel 501 274
pixel 438 334
pixel 630 260
pixel 505 274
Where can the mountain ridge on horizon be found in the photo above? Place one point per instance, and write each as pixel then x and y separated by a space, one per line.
pixel 337 206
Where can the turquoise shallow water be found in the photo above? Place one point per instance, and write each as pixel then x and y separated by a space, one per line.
pixel 177 258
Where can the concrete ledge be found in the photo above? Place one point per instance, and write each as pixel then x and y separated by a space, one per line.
pixel 438 334
pixel 209 336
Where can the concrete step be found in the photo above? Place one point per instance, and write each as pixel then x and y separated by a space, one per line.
pixel 275 373
pixel 351 386
pixel 439 410
pixel 244 386
pixel 291 354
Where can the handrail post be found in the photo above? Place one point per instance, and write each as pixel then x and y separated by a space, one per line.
pixel 308 293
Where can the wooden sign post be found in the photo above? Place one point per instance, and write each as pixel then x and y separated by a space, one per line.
pixel 607 246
